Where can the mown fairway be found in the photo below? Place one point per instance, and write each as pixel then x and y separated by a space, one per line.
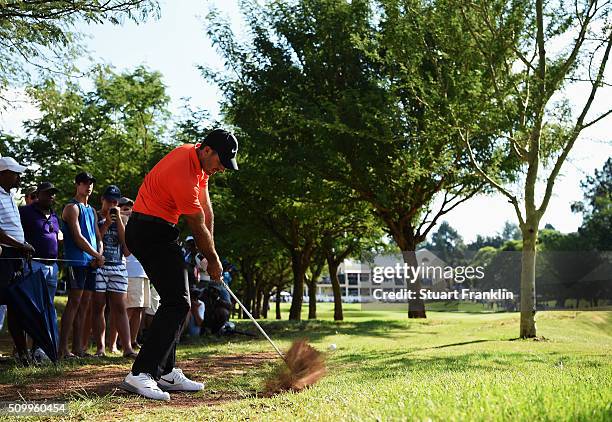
pixel 452 366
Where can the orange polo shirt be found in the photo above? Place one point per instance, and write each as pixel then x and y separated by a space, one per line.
pixel 173 187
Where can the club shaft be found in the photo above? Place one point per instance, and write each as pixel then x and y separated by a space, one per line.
pixel 245 310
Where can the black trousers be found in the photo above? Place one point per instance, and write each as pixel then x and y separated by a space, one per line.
pixel 156 246
pixel 8 269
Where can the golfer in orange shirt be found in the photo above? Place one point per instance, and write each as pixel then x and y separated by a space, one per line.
pixel 177 185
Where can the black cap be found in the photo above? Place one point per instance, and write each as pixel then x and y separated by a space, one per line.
pixel 112 192
pixel 84 177
pixel 225 145
pixel 47 187
pixel 125 201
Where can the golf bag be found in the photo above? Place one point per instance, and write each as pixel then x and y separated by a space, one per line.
pixel 217 310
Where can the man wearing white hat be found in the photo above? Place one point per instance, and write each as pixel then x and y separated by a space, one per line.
pixel 12 241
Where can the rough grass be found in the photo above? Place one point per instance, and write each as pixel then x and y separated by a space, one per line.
pixel 452 366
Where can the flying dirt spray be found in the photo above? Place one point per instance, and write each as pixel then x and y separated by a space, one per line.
pixel 304 365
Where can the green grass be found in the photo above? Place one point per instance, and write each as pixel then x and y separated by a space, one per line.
pixel 453 366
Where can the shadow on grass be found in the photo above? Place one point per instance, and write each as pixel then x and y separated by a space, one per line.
pixel 317 329
pixel 381 364
pixel 463 343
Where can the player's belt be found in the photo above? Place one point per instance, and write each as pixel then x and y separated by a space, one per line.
pixel 149 218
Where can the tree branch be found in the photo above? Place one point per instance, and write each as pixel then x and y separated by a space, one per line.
pixel 512 199
pixel 577 128
pixel 447 210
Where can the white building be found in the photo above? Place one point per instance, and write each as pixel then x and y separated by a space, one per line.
pixel 356 278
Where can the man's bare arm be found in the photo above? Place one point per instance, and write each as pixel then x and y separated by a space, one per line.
pixel 98 235
pixel 8 240
pixel 208 211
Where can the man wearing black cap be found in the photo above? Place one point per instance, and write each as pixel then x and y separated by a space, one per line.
pixel 177 185
pixel 42 230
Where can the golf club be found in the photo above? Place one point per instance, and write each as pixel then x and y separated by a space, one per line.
pixel 245 310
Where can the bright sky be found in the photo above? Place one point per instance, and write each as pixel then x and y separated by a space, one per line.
pixel 176 43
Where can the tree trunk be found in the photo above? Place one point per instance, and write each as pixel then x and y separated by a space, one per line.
pixel 249 287
pixel 528 261
pixel 416 306
pixel 312 299
pixel 266 304
pixel 315 270
pixel 333 275
pixel 258 300
pixel 299 271
pixel 278 302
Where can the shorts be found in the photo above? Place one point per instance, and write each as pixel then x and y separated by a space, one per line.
pixel 138 292
pixel 152 309
pixel 112 278
pixel 83 278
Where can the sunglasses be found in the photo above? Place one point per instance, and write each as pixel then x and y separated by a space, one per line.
pixel 49 227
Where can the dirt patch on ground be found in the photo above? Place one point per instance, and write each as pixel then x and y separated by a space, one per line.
pixel 104 379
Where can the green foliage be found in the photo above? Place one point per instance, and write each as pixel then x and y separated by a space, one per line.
pixel 510 231
pixel 356 94
pixel 41 35
pixel 447 244
pixel 351 102
pixel 116 131
pixel 597 209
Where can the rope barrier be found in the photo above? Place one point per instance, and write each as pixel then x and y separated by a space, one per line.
pixel 58 260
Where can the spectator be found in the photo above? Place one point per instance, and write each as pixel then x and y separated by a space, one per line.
pixel 42 230
pixel 82 247
pixel 202 265
pixel 14 247
pixel 139 290
pixel 191 260
pixel 30 195
pixel 112 278
pixel 195 317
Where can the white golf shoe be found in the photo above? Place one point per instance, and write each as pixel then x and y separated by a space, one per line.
pixel 145 385
pixel 177 381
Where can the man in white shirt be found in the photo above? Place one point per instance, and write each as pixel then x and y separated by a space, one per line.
pixel 14 247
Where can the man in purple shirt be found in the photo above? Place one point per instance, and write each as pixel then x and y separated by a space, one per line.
pixel 41 229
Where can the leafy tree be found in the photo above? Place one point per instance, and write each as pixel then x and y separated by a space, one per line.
pixel 354 94
pixel 268 216
pixel 597 209
pixel 356 234
pixel 447 244
pixel 102 131
pixel 40 35
pixel 527 89
pixel 510 231
pixel 136 103
pixel 597 190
